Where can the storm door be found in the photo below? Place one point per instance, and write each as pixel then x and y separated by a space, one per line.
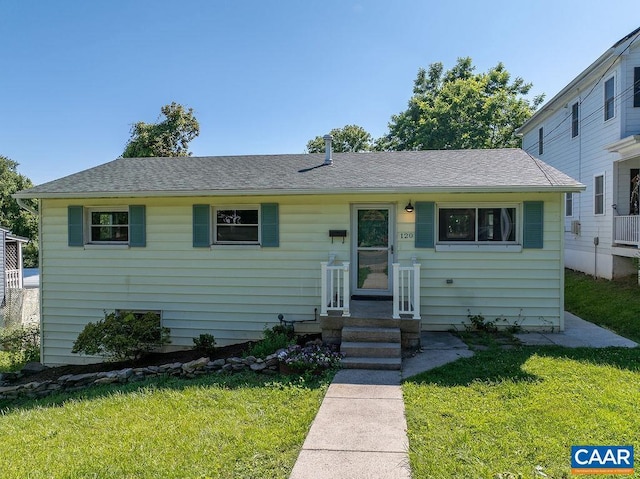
pixel 372 246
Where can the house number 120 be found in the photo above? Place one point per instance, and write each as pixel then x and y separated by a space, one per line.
pixel 406 235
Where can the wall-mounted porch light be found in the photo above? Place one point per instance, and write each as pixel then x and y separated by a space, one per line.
pixel 409 208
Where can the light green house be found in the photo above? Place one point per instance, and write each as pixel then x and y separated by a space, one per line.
pixel 224 245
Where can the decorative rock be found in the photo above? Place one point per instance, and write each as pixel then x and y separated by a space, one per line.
pixel 258 366
pixel 238 367
pixel 250 360
pixel 272 361
pixel 9 389
pixel 218 363
pixel 125 374
pixel 167 367
pixel 195 365
pixel 235 360
pixel 106 380
pixel 227 367
pixel 32 385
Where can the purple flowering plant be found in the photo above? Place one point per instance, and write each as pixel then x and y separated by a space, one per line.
pixel 310 358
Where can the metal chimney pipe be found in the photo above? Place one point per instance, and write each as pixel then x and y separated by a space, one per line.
pixel 327 149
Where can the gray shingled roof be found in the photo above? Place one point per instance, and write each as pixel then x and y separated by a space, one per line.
pixel 404 171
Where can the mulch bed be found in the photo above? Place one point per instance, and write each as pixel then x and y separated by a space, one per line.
pixel 152 359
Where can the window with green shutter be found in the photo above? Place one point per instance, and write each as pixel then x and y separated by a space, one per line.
pixel 236 225
pixel 109 225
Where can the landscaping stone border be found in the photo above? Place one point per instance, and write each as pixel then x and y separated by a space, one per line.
pixel 191 369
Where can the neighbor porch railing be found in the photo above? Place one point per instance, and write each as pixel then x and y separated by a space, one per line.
pixel 335 288
pixel 13 278
pixel 406 290
pixel 626 230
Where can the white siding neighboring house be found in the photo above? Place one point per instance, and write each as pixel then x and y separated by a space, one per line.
pixel 591 131
pixel 223 245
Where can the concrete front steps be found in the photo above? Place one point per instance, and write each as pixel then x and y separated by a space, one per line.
pixel 375 346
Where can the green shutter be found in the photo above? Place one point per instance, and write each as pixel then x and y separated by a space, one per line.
pixel 270 227
pixel 425 224
pixel 533 224
pixel 137 226
pixel 201 226
pixel 75 216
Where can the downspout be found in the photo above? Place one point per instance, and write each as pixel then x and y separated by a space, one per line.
pixel 25 206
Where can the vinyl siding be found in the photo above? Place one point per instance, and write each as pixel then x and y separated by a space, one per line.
pixel 233 292
pixel 582 158
pixel 631 117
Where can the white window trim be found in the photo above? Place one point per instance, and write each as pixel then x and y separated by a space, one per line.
pixel 604 98
pixel 515 245
pixel 541 140
pixel 577 102
pixel 566 196
pixel 604 193
pixel 87 229
pixel 214 224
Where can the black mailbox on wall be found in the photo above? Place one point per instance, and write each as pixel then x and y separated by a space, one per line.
pixel 337 234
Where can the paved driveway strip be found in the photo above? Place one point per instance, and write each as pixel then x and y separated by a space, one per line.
pixel 360 430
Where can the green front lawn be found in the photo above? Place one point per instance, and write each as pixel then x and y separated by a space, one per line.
pixel 512 411
pixel 241 426
pixel 612 304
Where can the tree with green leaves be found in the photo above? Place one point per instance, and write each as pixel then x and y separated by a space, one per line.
pixel 12 217
pixel 459 109
pixel 350 138
pixel 168 137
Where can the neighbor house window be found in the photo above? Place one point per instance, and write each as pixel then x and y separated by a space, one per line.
pixel 477 225
pixel 598 195
pixel 575 126
pixel 540 141
pixel 636 86
pixel 609 95
pixel 108 226
pixel 568 204
pixel 237 225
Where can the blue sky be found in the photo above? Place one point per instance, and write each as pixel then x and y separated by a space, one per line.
pixel 262 77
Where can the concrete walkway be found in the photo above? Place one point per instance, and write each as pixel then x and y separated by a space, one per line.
pixel 577 333
pixel 360 429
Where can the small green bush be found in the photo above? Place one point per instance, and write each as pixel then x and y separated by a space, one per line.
pixel 22 344
pixel 205 343
pixel 122 335
pixel 278 337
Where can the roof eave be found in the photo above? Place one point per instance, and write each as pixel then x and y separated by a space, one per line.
pixel 548 109
pixel 295 192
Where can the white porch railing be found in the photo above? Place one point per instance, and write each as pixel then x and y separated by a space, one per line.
pixel 406 290
pixel 13 278
pixel 335 289
pixel 626 230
